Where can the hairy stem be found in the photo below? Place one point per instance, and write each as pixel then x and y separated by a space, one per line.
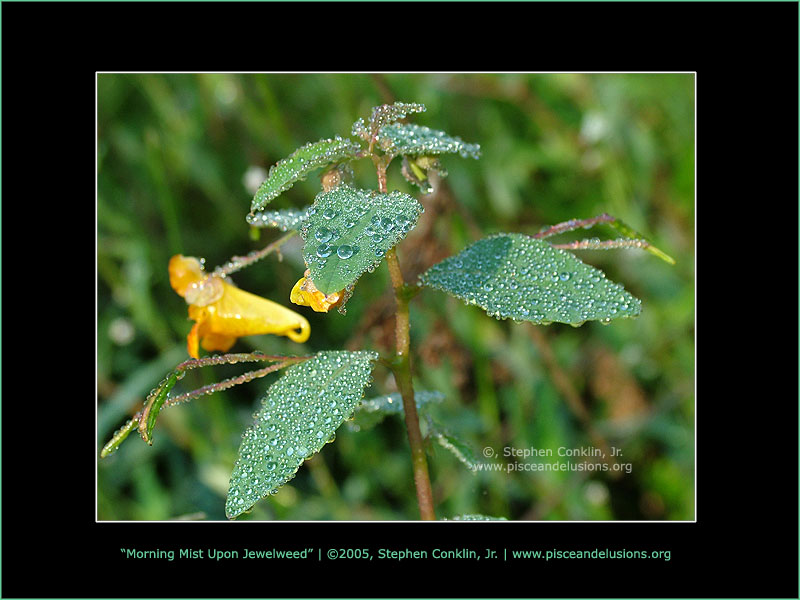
pixel 159 397
pixel 240 262
pixel 573 224
pixel 401 368
pixel 633 238
pixel 231 382
pixel 603 245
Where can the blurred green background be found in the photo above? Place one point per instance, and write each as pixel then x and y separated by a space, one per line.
pixel 178 156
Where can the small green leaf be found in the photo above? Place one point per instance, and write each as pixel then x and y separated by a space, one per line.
pixel 515 276
pixel 285 219
pixel 415 170
pixel 155 400
pixel 285 173
pixel 298 416
pixel 392 404
pixel 383 115
pixel 371 412
pixel 348 232
pixel 475 517
pixel 417 140
pixel 119 436
pixel 630 233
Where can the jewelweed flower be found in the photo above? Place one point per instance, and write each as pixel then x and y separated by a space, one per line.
pixel 305 293
pixel 222 312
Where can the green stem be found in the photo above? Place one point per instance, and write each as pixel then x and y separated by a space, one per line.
pixel 401 368
pixel 402 375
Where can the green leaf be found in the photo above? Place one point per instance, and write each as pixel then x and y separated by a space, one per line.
pixel 475 517
pixel 383 115
pixel 305 159
pixel 348 232
pixel 515 276
pixel 119 436
pixel 155 400
pixel 371 412
pixel 415 171
pixel 417 140
pixel 299 415
pixel 285 219
pixel 631 233
pixel 392 404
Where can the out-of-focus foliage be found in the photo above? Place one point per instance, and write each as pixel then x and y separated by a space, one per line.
pixel 179 160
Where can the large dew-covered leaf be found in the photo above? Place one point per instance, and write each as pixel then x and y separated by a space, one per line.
pixel 515 276
pixel 299 415
pixel 348 232
pixel 285 173
pixel 417 140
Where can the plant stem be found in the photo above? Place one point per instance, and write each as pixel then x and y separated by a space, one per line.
pixel 402 375
pixel 233 381
pixel 159 399
pixel 604 245
pixel 240 262
pixel 401 368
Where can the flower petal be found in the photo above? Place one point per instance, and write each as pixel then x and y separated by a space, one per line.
pixel 305 293
pixel 192 341
pixel 239 313
pixel 183 272
pixel 296 295
pixel 215 341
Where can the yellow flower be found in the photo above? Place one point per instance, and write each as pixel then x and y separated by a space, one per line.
pixel 222 312
pixel 305 293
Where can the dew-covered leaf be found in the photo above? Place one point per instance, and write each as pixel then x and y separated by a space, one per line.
pixel 475 517
pixel 298 416
pixel 285 219
pixel 515 276
pixel 418 140
pixel 392 404
pixel 119 436
pixel 285 173
pixel 384 115
pixel 348 232
pixel 154 403
pixel 372 411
